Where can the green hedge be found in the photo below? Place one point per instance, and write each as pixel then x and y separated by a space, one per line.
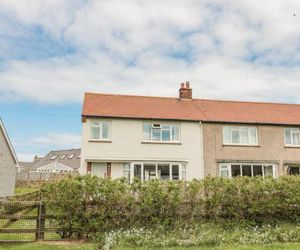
pixel 88 204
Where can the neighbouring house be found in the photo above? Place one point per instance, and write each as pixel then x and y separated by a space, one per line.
pixel 8 164
pixel 55 162
pixel 185 138
pixel 250 138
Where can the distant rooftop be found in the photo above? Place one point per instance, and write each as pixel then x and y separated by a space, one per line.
pixel 67 157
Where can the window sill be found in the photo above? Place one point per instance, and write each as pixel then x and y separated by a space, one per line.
pixel 240 145
pixel 161 142
pixel 292 146
pixel 105 141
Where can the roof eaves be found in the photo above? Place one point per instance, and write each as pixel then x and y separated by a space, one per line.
pixel 250 122
pixel 142 118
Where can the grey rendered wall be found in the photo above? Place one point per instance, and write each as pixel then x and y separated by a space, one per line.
pixel 7 168
pixel 271 148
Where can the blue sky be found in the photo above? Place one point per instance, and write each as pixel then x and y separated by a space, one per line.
pixel 36 129
pixel 51 52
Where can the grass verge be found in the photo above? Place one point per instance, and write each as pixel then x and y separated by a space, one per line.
pixel 89 246
pixel 50 246
pixel 24 190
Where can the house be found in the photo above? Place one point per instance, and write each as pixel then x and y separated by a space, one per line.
pixel 185 138
pixel 55 162
pixel 249 139
pixel 8 164
pixel 141 136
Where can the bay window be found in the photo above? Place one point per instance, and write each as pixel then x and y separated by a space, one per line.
pixel 161 132
pixel 247 169
pixel 148 171
pixel 100 130
pixel 239 135
pixel 291 136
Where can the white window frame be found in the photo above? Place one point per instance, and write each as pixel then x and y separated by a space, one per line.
pixel 227 167
pixel 181 168
pixel 183 172
pixel 291 137
pixel 100 128
pixel 159 125
pixel 237 127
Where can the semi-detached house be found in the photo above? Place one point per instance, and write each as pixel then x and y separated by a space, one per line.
pixel 185 138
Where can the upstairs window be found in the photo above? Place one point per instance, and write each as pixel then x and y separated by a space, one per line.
pixel 239 135
pixel 291 136
pixel 100 130
pixel 161 132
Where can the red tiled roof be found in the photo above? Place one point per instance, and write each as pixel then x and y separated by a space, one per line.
pixel 139 107
pixel 125 106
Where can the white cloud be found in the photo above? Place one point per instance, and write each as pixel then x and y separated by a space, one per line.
pixel 59 140
pixel 149 47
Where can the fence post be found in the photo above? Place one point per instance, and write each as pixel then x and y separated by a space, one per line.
pixel 40 223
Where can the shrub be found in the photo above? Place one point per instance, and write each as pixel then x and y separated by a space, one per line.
pixel 87 205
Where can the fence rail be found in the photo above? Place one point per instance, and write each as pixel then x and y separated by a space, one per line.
pixel 26 197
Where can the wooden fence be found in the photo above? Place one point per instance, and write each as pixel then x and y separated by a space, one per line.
pixel 27 221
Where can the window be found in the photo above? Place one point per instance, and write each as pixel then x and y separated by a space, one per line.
pixel 291 136
pixel 235 170
pixel 63 157
pixel 224 172
pixel 71 156
pixel 163 171
pixel 137 171
pixel 149 172
pixel 183 171
pixel 245 169
pixel 160 132
pixel 240 135
pixel 175 172
pixel 258 170
pixel 126 171
pixel 100 130
pixel 53 157
pixel 294 170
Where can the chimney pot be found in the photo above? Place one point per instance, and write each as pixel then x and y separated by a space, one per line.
pixel 185 92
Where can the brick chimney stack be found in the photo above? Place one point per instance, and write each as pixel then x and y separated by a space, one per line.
pixel 185 92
